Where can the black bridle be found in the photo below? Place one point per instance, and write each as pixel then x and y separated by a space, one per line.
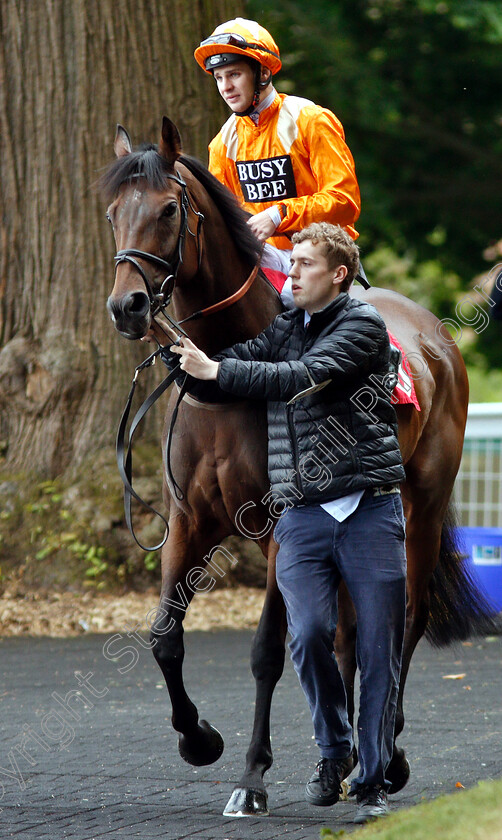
pixel 162 298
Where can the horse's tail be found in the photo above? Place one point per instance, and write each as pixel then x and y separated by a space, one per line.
pixel 458 609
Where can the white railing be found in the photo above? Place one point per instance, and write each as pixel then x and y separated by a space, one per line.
pixel 478 488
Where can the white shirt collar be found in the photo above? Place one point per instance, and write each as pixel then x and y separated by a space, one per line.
pixel 255 115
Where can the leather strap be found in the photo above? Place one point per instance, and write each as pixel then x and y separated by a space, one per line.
pixel 222 304
pixel 124 452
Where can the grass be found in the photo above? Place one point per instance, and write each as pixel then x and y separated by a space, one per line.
pixel 474 814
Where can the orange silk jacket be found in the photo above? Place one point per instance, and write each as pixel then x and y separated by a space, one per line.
pixel 295 158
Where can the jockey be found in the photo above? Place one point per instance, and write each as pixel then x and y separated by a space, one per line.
pixel 284 157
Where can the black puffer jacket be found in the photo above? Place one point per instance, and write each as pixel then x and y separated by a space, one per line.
pixel 338 437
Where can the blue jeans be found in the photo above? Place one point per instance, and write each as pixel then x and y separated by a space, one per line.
pixel 367 550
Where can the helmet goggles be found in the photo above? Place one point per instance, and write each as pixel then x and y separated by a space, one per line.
pixel 234 40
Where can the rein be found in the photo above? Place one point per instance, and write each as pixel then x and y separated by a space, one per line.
pixel 158 302
pixel 124 452
pixel 222 304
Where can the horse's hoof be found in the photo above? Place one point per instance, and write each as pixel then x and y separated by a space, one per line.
pixel 246 802
pixel 205 747
pixel 398 771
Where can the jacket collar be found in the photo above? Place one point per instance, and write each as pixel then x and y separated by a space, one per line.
pixel 319 319
pixel 266 114
pixel 262 106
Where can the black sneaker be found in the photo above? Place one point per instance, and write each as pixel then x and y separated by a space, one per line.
pixel 371 803
pixel 324 787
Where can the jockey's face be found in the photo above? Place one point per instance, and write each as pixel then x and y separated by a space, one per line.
pixel 236 85
pixel 314 284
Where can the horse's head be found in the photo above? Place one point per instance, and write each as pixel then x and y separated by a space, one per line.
pixel 148 213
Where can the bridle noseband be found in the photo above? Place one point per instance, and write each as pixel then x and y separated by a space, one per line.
pixel 162 297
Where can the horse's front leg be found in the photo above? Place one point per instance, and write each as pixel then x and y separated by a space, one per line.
pixel 249 798
pixel 182 575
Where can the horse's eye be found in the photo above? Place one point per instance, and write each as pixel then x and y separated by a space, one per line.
pixel 109 218
pixel 170 209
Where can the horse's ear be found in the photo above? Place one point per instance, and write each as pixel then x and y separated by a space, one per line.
pixel 170 142
pixel 122 145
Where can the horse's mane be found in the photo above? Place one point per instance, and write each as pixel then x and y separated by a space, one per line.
pixel 233 215
pixel 147 161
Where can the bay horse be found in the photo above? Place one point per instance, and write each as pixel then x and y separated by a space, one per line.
pixel 216 484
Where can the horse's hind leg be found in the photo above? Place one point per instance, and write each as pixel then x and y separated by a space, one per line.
pixel 345 645
pixel 422 550
pixel 182 575
pixel 249 797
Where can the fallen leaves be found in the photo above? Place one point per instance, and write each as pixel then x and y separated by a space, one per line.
pixel 73 614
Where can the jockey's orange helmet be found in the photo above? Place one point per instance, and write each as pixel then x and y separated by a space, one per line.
pixel 236 40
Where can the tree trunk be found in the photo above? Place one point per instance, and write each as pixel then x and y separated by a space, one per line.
pixel 69 71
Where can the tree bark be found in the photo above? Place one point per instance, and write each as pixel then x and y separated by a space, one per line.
pixel 69 71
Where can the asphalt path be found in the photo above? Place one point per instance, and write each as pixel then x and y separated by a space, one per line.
pixel 110 768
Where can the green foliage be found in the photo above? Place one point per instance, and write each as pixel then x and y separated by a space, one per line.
pixel 418 88
pixel 49 541
pixel 417 85
pixel 485 385
pixel 71 533
pixel 427 282
pixel 151 561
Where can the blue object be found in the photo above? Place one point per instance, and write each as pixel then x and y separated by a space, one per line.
pixel 483 549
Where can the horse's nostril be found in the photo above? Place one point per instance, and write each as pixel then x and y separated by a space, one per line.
pixel 129 312
pixel 136 305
